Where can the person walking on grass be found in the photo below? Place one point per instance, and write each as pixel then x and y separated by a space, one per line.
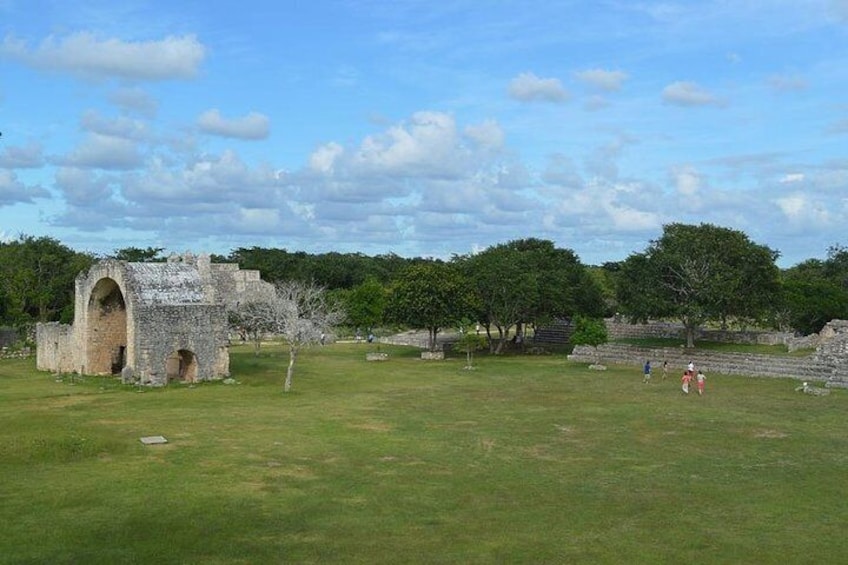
pixel 647 378
pixel 687 378
pixel 700 382
pixel 665 370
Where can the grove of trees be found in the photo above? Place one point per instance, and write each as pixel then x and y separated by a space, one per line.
pixel 697 274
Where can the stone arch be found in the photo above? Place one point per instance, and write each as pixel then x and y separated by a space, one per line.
pixel 106 335
pixel 181 365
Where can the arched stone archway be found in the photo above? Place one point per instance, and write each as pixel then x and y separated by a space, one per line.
pixel 181 365
pixel 106 337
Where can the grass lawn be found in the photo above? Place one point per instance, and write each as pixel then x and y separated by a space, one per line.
pixel 522 460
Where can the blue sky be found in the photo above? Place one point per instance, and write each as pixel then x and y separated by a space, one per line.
pixel 423 128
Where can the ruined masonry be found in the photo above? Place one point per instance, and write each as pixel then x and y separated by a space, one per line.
pixel 151 323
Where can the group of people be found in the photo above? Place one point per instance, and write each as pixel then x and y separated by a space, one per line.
pixel 689 375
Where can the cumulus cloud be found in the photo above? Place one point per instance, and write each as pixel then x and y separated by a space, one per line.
pixel 487 134
pixel 30 156
pixel 689 94
pixel 527 87
pixel 800 208
pixel 82 187
pixel 687 180
pixel 134 100
pixel 121 127
pixel 85 54
pixel 13 191
pixel 101 151
pixel 252 126
pixel 602 79
pixel 210 180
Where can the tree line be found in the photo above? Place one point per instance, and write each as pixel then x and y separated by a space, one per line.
pixel 697 274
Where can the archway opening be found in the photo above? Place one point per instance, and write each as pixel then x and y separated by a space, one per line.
pixel 107 329
pixel 181 365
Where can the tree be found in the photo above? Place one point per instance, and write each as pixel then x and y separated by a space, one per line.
pixel 815 292
pixel 430 296
pixel 138 255
pixel 698 274
pixel 300 313
pixel 470 342
pixel 530 281
pixel 589 331
pixel 252 320
pixel 365 304
pixel 37 280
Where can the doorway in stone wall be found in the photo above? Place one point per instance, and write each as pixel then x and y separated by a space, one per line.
pixel 106 334
pixel 181 366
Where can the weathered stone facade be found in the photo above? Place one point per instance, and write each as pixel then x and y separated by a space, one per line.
pixel 152 323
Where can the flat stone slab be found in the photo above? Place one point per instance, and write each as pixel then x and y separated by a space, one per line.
pixel 153 440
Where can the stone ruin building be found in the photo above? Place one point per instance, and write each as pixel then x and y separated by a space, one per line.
pixel 150 323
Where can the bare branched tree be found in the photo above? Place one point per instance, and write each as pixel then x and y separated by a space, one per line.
pixel 300 313
pixel 252 321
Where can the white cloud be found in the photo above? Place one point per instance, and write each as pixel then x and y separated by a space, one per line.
pixel 13 191
pixel 428 144
pixel 603 79
pixel 687 180
pixel 488 134
pixel 689 94
pixel 790 178
pixel 30 156
pixel 103 152
pixel 134 100
pixel 252 126
pixel 82 187
pixel 122 127
pixel 323 159
pixel 84 54
pixel 527 87
pixel 801 209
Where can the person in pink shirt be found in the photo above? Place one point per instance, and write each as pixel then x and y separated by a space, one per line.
pixel 687 378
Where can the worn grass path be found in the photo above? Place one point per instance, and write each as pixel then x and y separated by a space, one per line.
pixel 522 460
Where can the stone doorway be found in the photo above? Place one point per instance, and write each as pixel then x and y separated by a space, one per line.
pixel 181 365
pixel 106 339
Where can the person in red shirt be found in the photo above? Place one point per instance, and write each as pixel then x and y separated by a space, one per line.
pixel 687 378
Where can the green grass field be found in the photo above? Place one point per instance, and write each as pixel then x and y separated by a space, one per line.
pixel 522 460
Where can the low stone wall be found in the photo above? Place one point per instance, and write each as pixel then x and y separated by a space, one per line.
pixel 755 365
pixel 670 330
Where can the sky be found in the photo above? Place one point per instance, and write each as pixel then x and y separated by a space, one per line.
pixel 423 128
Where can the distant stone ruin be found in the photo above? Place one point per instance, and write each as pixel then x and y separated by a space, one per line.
pixel 150 323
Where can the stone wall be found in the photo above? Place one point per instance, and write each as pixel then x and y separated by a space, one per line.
pixel 671 330
pixel 56 347
pixel 172 328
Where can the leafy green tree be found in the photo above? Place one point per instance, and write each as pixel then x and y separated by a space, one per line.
pixel 468 343
pixel 138 255
pixel 37 280
pixel 698 274
pixel 365 304
pixel 591 332
pixel 529 281
pixel 815 292
pixel 430 296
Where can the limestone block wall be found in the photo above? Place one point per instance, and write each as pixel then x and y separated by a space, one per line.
pixel 671 330
pixel 56 348
pixel 200 329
